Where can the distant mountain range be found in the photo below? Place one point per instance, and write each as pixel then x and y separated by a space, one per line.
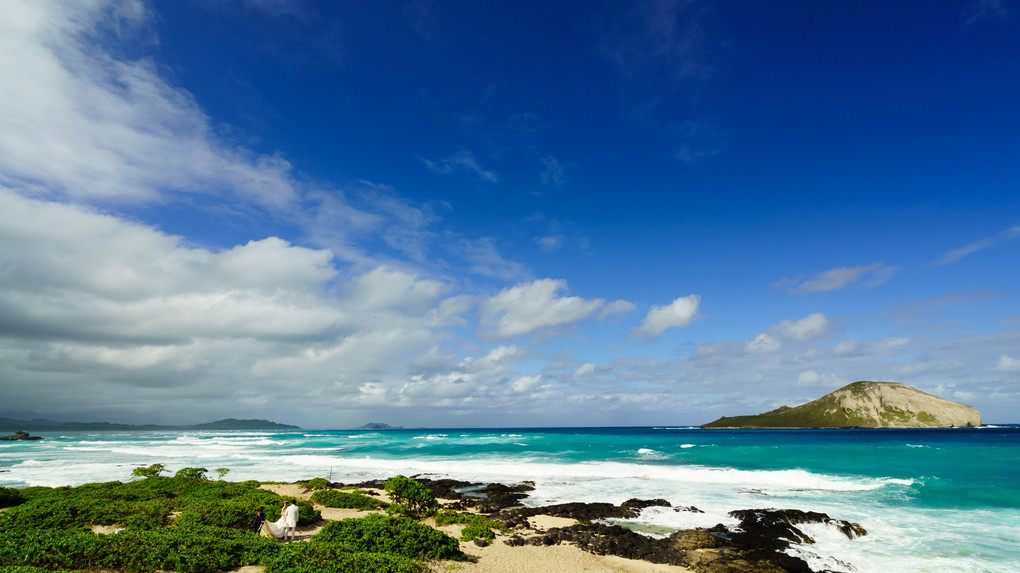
pixel 42 424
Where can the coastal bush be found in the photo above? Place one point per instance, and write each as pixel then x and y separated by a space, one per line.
pixel 317 484
pixel 191 473
pixel 390 534
pixel 147 472
pixel 410 497
pixel 347 500
pixel 9 497
pixel 478 526
pixel 316 557
pixel 199 551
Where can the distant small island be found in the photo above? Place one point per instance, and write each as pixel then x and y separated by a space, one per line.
pixel 863 404
pixel 379 426
pixel 226 424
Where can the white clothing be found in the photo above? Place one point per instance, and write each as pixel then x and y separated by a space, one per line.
pixel 290 519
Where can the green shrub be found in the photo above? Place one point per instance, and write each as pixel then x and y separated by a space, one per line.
pixel 388 534
pixel 478 526
pixel 9 497
pixel 199 551
pixel 152 471
pixel 475 531
pixel 347 500
pixel 411 497
pixel 316 557
pixel 318 483
pixel 191 473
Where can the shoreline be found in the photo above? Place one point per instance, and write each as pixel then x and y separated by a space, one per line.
pixel 496 557
pixel 581 536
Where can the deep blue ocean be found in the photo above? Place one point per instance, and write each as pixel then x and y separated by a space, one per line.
pixel 931 500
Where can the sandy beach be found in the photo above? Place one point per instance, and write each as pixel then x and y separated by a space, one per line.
pixel 497 557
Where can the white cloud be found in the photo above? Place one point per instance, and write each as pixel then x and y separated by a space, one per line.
pixel 1007 364
pixel 807 328
pixel 551 243
pixel 81 123
pixel 839 278
pixel 763 343
pixel 679 313
pixel 954 255
pixel 810 326
pixel 527 307
pixel 527 383
pixel 129 312
pixel 384 288
pixel 485 259
pixel 462 161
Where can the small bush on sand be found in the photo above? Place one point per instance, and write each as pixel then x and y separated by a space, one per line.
pixel 478 526
pixel 411 497
pixel 347 500
pixel 389 534
pixel 317 484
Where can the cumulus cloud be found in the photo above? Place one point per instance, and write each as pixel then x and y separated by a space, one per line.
pixel 840 278
pixel 807 328
pixel 132 313
pixel 81 123
pixel 679 313
pixel 528 307
pixel 1007 364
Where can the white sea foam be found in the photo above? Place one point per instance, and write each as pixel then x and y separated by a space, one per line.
pixel 914 540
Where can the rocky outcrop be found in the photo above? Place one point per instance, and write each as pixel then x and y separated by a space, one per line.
pixel 20 435
pixel 758 544
pixel 864 405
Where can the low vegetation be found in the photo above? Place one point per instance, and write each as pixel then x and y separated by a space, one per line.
pixel 192 524
pixel 477 526
pixel 347 500
pixel 410 498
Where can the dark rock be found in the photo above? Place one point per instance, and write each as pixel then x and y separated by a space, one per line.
pixel 688 509
pixel 514 541
pixel 584 512
pixel 481 542
pixel 498 496
pixel 20 435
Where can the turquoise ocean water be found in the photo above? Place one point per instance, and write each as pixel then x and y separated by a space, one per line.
pixel 931 500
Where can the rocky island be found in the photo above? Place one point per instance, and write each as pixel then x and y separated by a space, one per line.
pixel 863 405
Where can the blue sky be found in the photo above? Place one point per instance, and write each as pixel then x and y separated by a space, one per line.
pixel 492 214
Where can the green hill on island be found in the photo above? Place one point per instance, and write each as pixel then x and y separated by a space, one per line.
pixel 863 405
